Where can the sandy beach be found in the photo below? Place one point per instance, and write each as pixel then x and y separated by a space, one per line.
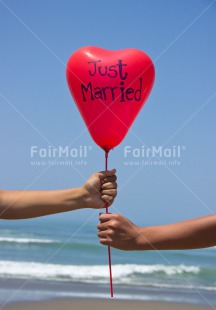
pixel 94 304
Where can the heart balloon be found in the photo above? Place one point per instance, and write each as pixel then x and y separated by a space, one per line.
pixel 109 88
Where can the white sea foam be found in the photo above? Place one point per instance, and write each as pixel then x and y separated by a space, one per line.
pixel 77 272
pixel 122 274
pixel 25 240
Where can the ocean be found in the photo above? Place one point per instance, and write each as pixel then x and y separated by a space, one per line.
pixel 55 257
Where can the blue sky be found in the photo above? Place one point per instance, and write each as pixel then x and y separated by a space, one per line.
pixel 38 37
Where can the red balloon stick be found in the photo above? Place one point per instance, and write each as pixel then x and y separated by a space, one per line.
pixel 109 252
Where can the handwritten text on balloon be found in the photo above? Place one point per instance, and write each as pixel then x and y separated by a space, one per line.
pixel 90 92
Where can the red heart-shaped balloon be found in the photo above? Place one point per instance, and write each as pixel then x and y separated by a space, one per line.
pixel 109 88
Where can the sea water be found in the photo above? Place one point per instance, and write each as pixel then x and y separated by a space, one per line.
pixel 56 257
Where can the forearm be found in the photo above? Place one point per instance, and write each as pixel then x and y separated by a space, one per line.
pixel 28 204
pixel 191 234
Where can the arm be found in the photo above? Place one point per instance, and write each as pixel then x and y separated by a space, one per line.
pixel 98 189
pixel 118 232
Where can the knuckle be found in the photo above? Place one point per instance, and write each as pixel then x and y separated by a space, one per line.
pixel 109 199
pixel 113 223
pixel 115 217
pixel 109 231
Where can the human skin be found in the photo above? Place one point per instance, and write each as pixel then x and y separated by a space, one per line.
pixel 117 231
pixel 99 189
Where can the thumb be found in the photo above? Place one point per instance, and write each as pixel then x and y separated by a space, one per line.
pixel 108 173
pixel 105 217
